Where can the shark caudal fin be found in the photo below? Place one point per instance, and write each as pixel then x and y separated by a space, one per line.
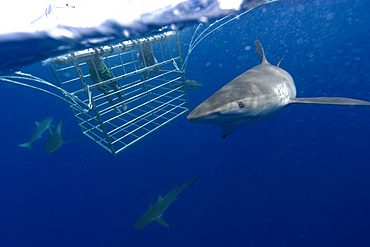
pixel 328 101
pixel 26 145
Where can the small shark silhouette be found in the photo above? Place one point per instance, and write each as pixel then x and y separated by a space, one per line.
pixel 189 84
pixel 56 139
pixel 155 211
pixel 40 129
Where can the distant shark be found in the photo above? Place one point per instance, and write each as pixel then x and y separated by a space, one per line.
pixel 189 84
pixel 40 129
pixel 256 95
pixel 56 139
pixel 155 211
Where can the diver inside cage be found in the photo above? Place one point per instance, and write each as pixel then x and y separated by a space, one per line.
pixel 104 73
pixel 146 58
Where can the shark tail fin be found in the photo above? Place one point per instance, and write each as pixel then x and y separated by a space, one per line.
pixel 161 221
pixel 328 101
pixel 26 145
pixel 260 52
pixel 191 181
pixel 59 127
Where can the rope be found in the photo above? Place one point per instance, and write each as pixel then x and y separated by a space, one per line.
pixel 175 64
pixel 24 76
pixel 201 36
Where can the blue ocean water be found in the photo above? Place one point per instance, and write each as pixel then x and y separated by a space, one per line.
pixel 298 179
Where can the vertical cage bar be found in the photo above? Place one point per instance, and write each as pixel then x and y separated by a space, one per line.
pixel 86 87
pixel 182 72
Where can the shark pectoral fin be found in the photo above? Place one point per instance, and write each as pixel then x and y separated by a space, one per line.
pixel 328 101
pixel 69 141
pixel 37 124
pixel 161 221
pixel 228 130
pixel 159 199
pixel 50 130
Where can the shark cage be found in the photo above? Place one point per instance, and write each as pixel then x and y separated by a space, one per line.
pixel 123 92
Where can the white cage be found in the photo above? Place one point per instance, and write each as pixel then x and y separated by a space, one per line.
pixel 152 90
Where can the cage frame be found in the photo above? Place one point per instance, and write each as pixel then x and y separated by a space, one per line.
pixel 162 107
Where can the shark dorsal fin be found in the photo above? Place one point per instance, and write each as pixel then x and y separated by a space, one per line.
pixel 37 124
pixel 150 205
pixel 159 199
pixel 260 52
pixel 161 221
pixel 59 127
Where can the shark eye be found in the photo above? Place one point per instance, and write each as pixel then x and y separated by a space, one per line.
pixel 240 103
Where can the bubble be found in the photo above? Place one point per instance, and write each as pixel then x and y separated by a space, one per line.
pixel 330 16
pixel 300 8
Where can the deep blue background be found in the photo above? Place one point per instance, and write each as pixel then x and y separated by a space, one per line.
pixel 299 179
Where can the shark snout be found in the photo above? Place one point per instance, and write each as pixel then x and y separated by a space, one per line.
pixel 192 116
pixel 198 116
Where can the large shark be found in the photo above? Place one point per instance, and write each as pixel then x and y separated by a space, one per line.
pixel 56 139
pixel 155 211
pixel 40 129
pixel 256 95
